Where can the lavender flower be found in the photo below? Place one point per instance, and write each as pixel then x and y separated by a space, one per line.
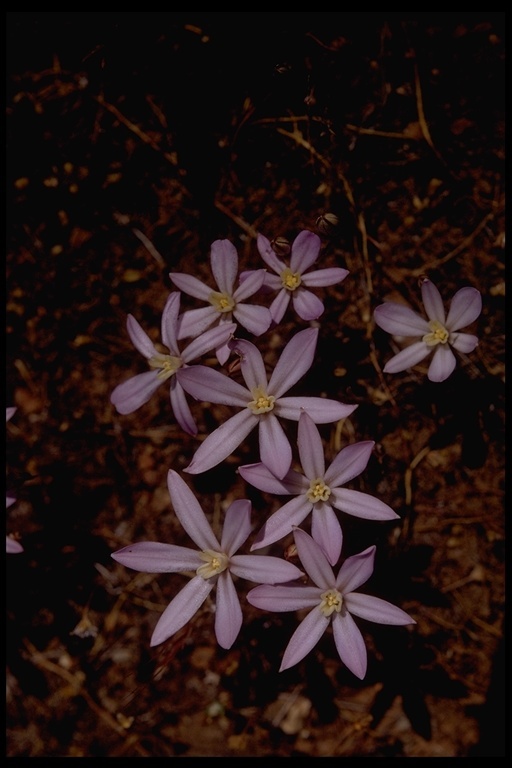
pixel 333 601
pixel 12 547
pixel 317 491
pixel 261 402
pixel 214 564
pixel 227 302
pixel 292 282
pixel 438 334
pixel 131 394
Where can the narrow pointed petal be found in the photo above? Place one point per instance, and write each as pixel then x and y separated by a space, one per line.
pixel 268 255
pixel 361 504
pixel 128 396
pixel 280 305
pixel 264 569
pixel 465 307
pixel 313 559
pixel 228 613
pixel 224 262
pixel 260 476
pixel 321 278
pixel 253 318
pixel 306 304
pixel 212 386
pixel 282 522
pixel 191 285
pixel 400 320
pixel 189 513
pixel 375 609
pixel 349 463
pixel 356 570
pixel 207 341
pixel 311 449
pixel 326 531
pixel 139 338
pixel 193 322
pixel 180 407
pixel 305 250
pixel 12 547
pixel 181 609
pixel 251 364
pixel 296 358
pixel 157 557
pixel 442 364
pixel 222 442
pixel 251 284
pixel 305 637
pixel 275 448
pixel 237 526
pixel 284 597
pixel 463 342
pixel 321 409
pixel 432 302
pixel 408 357
pixel 169 323
pixel 350 644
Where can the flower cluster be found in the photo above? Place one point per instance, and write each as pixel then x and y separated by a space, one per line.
pixel 318 494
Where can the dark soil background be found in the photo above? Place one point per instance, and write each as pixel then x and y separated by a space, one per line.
pixel 133 141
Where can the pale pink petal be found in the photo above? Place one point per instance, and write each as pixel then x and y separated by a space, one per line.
pixel 321 409
pixel 190 514
pixel 169 323
pixel 350 643
pixel 321 278
pixel 253 318
pixel 180 407
pixel 12 547
pixel 361 504
pixel 222 442
pixel 375 609
pixel 211 386
pixel 264 569
pixel 193 322
pixel 400 320
pixel 261 477
pixel 224 262
pixel 306 304
pixel 349 463
pixel 305 250
pixel 191 285
pixel 139 338
pixel 10 411
pixel 463 342
pixel 268 255
pixel 442 364
pixel 237 526
pixel 314 559
pixel 305 637
pixel 311 449
pixel 252 282
pixel 275 448
pixel 326 531
pixel 134 392
pixel 280 305
pixel 284 597
pixel 251 364
pixel 465 307
pixel 282 522
pixel 408 357
pixel 432 302
pixel 273 283
pixel 157 557
pixel 207 341
pixel 295 360
pixel 228 613
pixel 181 609
pixel 356 570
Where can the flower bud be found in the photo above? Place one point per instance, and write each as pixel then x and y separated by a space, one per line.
pixel 280 246
pixel 327 223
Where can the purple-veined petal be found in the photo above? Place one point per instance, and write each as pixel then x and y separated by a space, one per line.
pixel 465 307
pixel 305 250
pixel 228 613
pixel 280 305
pixel 326 531
pixel 463 342
pixel 321 409
pixel 264 569
pixel 275 448
pixel 139 338
pixel 313 559
pixel 191 285
pixel 190 514
pixel 442 364
pixel 361 504
pixel 157 557
pixel 321 278
pixel 224 262
pixel 193 322
pixel 305 637
pixel 208 341
pixel 311 449
pixel 169 323
pixel 272 283
pixel 222 442
pixel 12 547
pixel 306 304
pixel 282 522
pixel 432 302
pixel 268 255
pixel 212 386
pixel 407 357
pixel 251 364
pixel 284 597
pixel 375 609
pixel 253 318
pixel 260 476
pixel 131 394
pixel 237 526
pixel 181 609
pixel 223 352
pixel 400 320
pixel 349 463
pixel 356 570
pixel 350 644
pixel 252 282
pixel 295 360
pixel 180 407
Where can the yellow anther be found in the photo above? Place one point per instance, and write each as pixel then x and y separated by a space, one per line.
pixel 167 364
pixel 214 563
pixel 331 601
pixel 222 302
pixel 291 280
pixel 262 402
pixel 318 491
pixel 438 334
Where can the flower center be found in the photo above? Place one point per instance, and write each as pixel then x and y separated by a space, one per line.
pixel 222 302
pixel 318 491
pixel 438 334
pixel 262 402
pixel 167 363
pixel 214 563
pixel 331 601
pixel 291 280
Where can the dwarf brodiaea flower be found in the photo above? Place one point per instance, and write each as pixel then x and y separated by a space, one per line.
pixel 261 401
pixel 332 601
pixel 293 281
pixel 131 394
pixel 318 491
pixel 12 547
pixel 438 335
pixel 227 304
pixel 214 564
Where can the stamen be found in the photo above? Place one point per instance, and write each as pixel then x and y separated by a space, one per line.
pixel 291 280
pixel 438 334
pixel 318 491
pixel 332 601
pixel 262 402
pixel 167 364
pixel 222 302
pixel 214 563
